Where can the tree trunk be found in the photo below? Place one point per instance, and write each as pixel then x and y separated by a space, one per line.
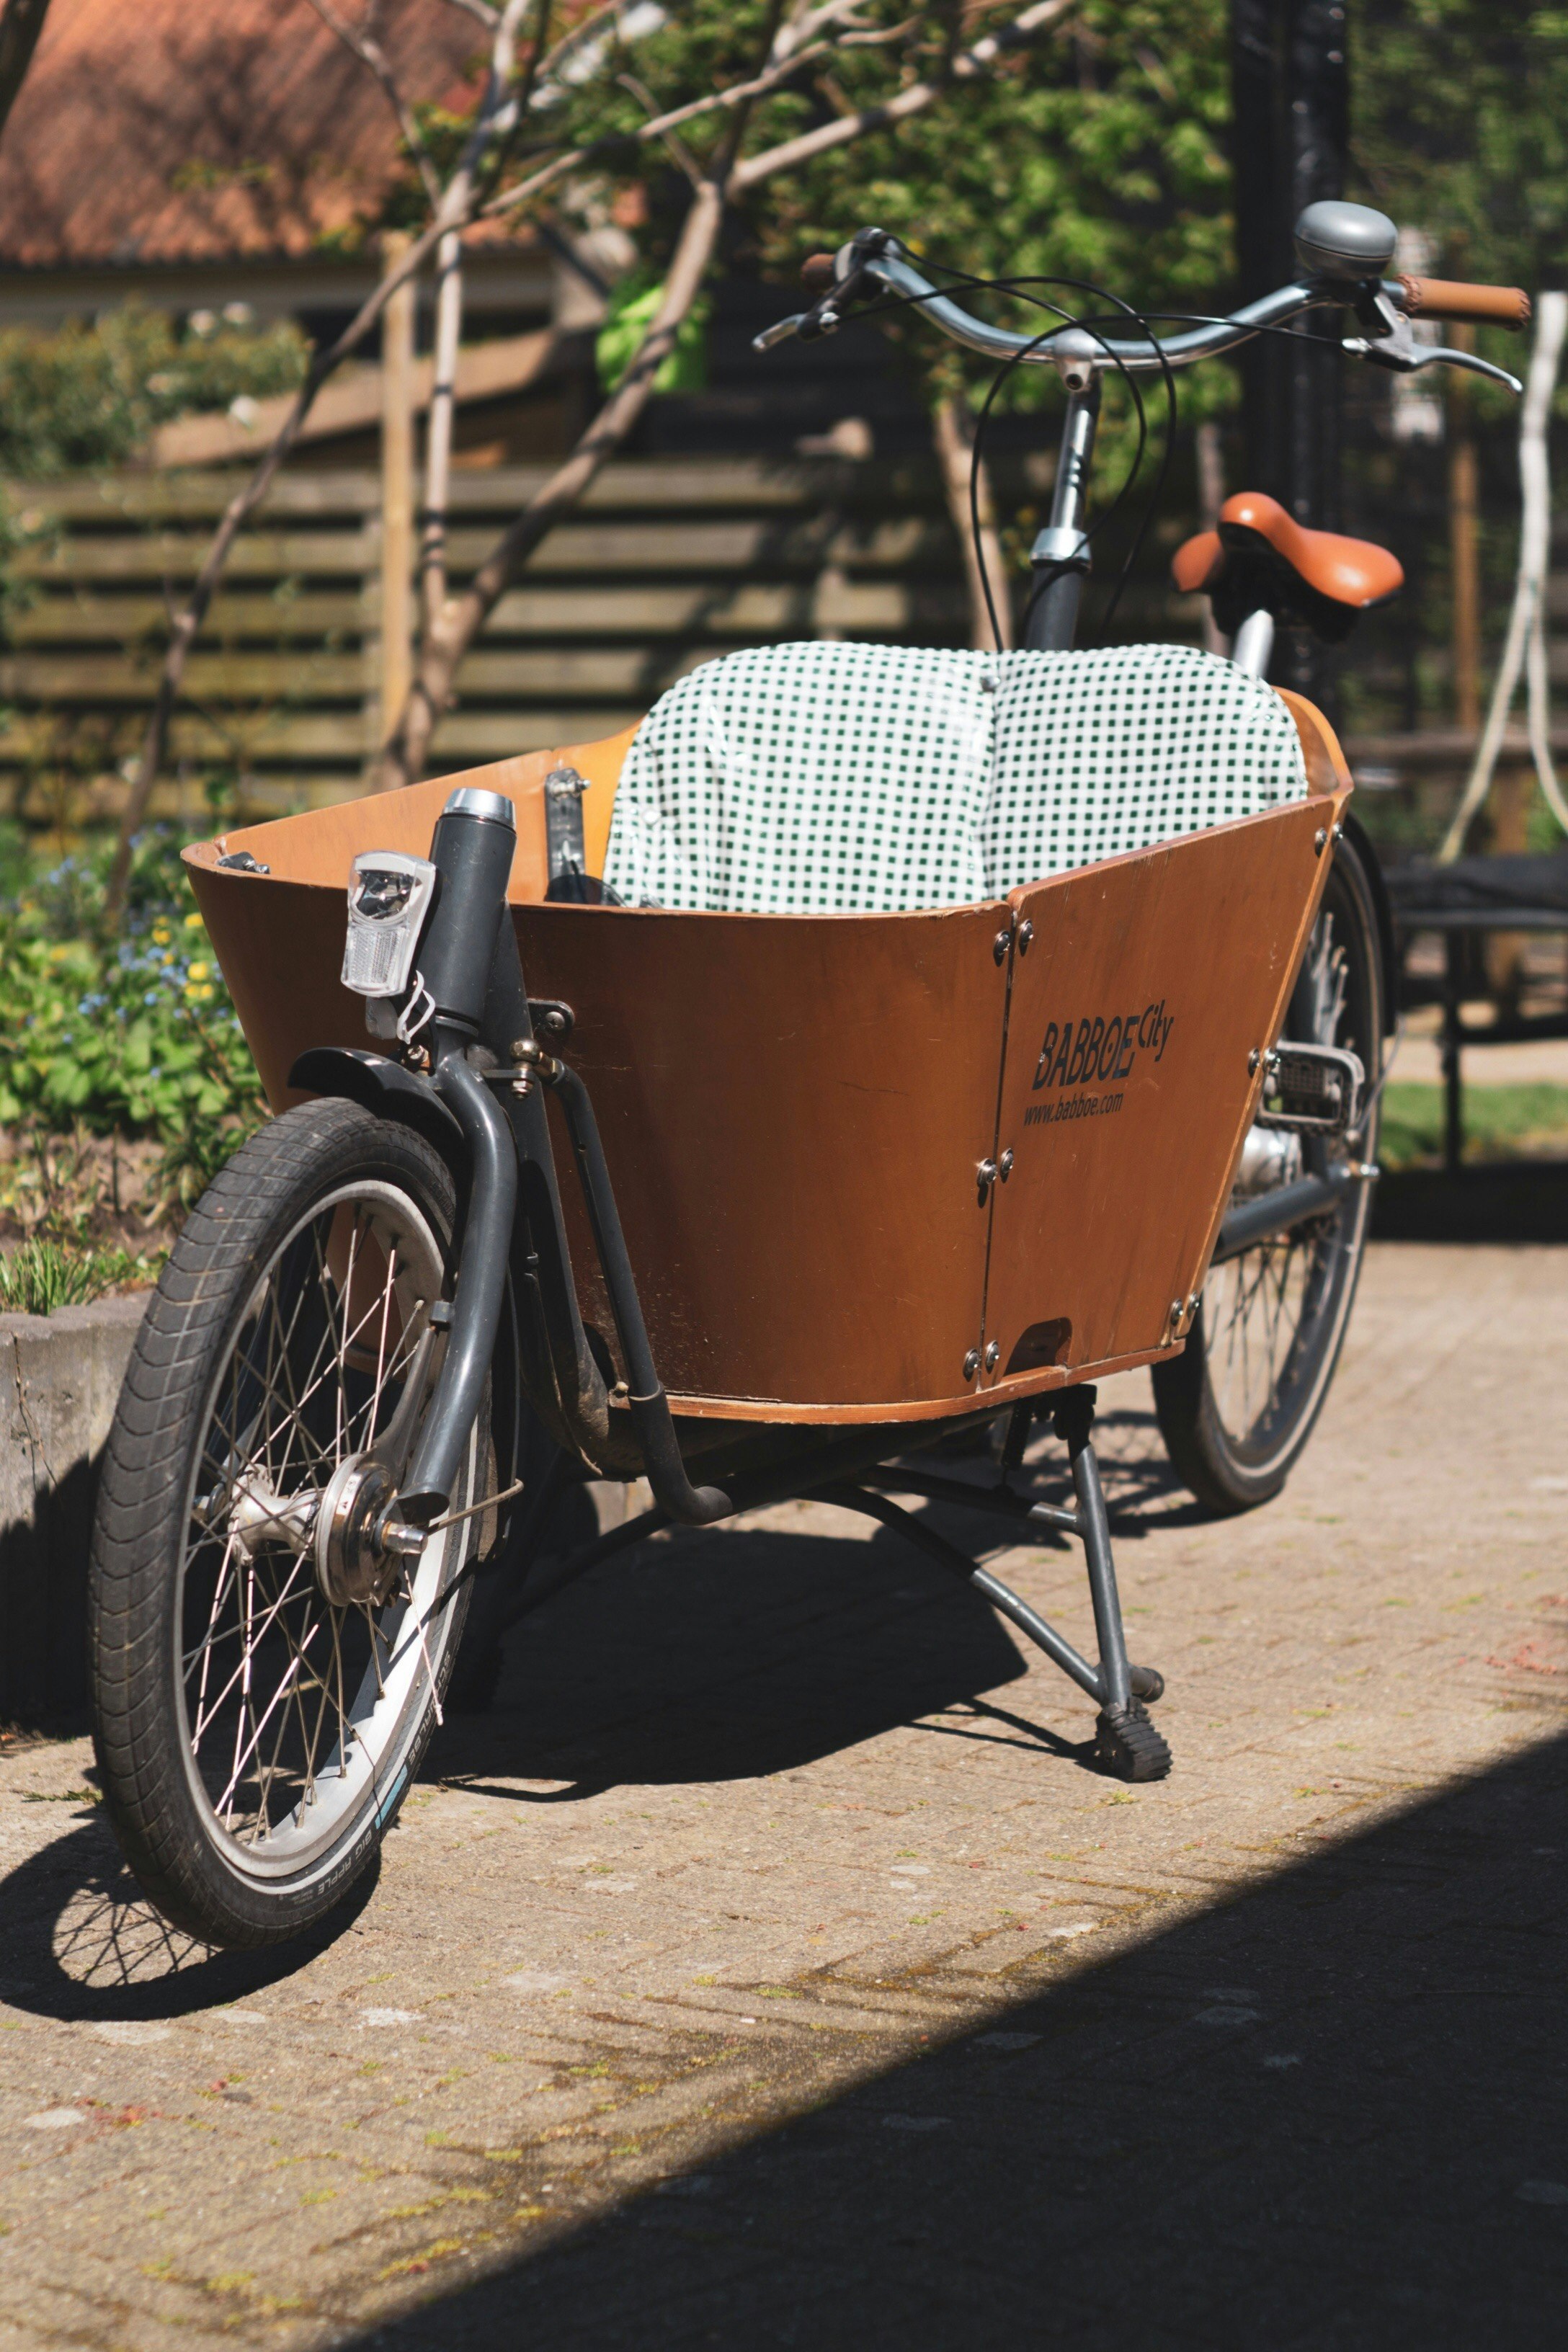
pixel 953 430
pixel 396 489
pixel 21 22
pixel 438 440
pixel 462 617
pixel 1211 498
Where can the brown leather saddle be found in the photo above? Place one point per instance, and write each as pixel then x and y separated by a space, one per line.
pixel 1261 558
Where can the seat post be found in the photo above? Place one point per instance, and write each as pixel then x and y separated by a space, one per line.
pixel 1253 643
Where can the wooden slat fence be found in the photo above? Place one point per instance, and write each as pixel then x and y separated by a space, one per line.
pixel 664 565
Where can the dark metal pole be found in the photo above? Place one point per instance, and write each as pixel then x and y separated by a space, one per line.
pixel 1291 92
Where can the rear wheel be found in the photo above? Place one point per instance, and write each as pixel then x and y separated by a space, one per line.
pixel 264 1679
pixel 1237 1406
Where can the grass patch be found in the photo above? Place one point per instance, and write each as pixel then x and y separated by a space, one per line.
pixel 39 1275
pixel 1500 1123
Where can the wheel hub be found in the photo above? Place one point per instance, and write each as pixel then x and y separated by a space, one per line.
pixel 257 1516
pixel 352 1563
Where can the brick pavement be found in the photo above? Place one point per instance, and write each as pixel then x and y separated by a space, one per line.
pixel 767 1969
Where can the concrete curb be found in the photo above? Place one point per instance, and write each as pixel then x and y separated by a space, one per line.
pixel 59 1376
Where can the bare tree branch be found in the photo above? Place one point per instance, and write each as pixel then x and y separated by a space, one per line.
pixel 360 42
pixel 451 624
pixel 981 58
pixel 495 120
pixel 739 94
pixel 463 616
pixel 459 622
pixel 447 640
pixel 438 432
pixel 674 145
pixel 21 22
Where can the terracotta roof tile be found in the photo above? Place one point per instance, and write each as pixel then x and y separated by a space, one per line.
pixel 156 130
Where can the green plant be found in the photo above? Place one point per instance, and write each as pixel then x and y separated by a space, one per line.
pixel 1500 1122
pixel 39 1275
pixel 137 1036
pixel 86 395
pixel 633 307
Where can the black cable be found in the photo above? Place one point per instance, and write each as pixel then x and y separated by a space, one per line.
pixel 1119 309
pixel 1123 310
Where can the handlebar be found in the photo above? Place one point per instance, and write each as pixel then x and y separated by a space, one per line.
pixel 1443 297
pixel 873 259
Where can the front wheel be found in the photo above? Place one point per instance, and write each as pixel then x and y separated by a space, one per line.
pixel 264 1681
pixel 1237 1406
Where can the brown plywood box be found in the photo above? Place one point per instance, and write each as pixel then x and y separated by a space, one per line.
pixel 795 1107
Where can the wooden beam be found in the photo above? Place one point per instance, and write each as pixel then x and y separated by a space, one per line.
pixel 352 402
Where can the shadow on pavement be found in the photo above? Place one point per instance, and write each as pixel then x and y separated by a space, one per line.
pixel 726 1656
pixel 702 1659
pixel 730 1653
pixel 1502 1201
pixel 714 1657
pixel 78 1941
pixel 1332 2111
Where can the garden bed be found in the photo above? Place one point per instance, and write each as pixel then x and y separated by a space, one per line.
pixel 125 1081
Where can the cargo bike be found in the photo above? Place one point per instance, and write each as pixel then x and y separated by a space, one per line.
pixel 875 1045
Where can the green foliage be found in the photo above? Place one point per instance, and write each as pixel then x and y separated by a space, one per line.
pixel 634 305
pixel 39 1275
pixel 1500 1122
pixel 88 396
pixel 1097 154
pixel 1460 128
pixel 137 1034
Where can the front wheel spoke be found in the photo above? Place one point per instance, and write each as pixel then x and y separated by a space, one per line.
pixel 252 1637
pixel 345 1307
pixel 325 1371
pixel 277 1685
pixel 377 1638
pixel 308 1679
pixel 274 1703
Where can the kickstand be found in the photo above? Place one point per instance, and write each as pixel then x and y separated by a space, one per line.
pixel 1125 1740
pixel 1126 1743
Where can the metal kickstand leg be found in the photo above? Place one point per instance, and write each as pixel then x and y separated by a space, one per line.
pixel 1125 1740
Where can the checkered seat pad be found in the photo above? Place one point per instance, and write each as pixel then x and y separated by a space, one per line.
pixel 819 779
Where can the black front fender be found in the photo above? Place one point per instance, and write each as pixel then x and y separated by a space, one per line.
pixel 387 1089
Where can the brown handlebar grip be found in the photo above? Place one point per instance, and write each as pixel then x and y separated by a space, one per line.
pixel 817 272
pixel 1443 297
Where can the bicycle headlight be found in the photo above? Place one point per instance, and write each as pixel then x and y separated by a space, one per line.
pixel 389 898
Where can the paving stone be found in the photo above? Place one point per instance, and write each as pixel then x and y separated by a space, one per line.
pixel 769 1968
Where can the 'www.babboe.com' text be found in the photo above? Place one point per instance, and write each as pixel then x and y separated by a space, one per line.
pixel 1071 1107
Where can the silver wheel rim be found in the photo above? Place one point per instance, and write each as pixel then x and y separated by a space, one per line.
pixel 1286 1301
pixel 297 1716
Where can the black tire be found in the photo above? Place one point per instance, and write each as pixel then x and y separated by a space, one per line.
pixel 1237 1406
pixel 287 1337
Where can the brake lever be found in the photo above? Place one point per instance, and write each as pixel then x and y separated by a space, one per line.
pixel 825 317
pixel 826 314
pixel 1396 346
pixel 780 332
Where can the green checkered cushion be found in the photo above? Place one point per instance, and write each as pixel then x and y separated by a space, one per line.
pixel 814 778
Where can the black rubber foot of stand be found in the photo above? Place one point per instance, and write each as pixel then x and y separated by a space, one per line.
pixel 1127 1744
pixel 1148 1683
